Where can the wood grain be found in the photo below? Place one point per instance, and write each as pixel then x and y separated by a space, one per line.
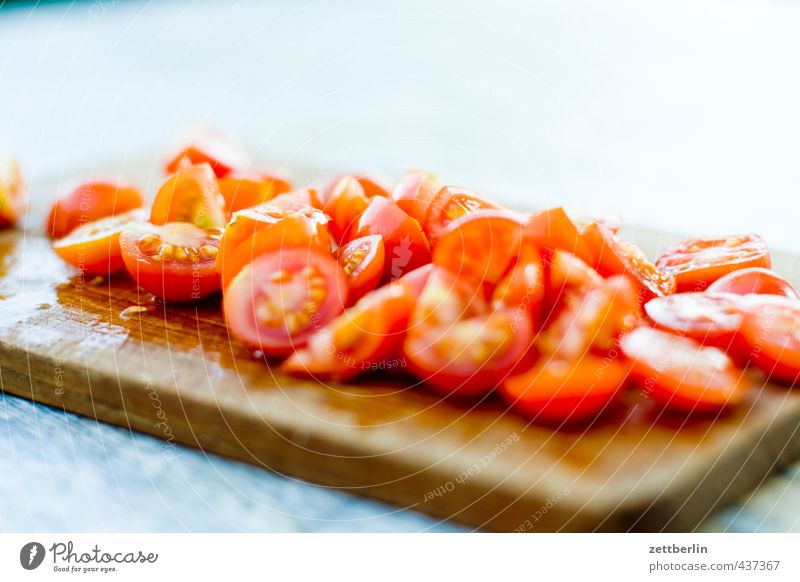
pixel 174 372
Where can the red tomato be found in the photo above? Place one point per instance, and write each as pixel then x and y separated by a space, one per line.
pixel 696 263
pixel 297 200
pixel 770 333
pixel 90 201
pixel 522 287
pixel 362 260
pixel 565 275
pixel 363 339
pixel 456 345
pixel 370 185
pixel 190 195
pixel 12 192
pixel 94 247
pixel 450 203
pixel 405 244
pixel 205 146
pixel 681 374
pixel 281 298
pixel 710 318
pixel 415 192
pixel 242 191
pixel 345 203
pixel 418 278
pixel 553 229
pixel 173 261
pixel 557 391
pixel 754 280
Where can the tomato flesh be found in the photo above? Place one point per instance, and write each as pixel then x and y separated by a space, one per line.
pixel 346 202
pixel 242 191
pixel 206 146
pixel 415 192
pixel 450 203
pixel 770 333
pixel 88 201
pixel 12 192
pixel 362 260
pixel 190 195
pixel 754 280
pixel 522 287
pixel 710 318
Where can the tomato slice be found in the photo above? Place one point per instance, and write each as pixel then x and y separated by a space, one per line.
pixel 346 201
pixel 84 202
pixel 362 260
pixel 94 247
pixel 173 261
pixel 12 192
pixel 553 229
pixel 362 339
pixel 698 262
pixel 754 280
pixel 405 244
pixel 770 333
pixel 190 195
pixel 281 298
pixel 565 275
pixel 203 145
pixel 450 203
pixel 681 374
pixel 557 391
pixel 456 345
pixel 522 287
pixel 415 192
pixel 245 190
pixel 710 318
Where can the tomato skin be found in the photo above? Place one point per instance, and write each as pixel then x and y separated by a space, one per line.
pixel 190 195
pixel 13 197
pixel 696 263
pixel 345 203
pixel 415 192
pixel 362 259
pixel 203 145
pixel 553 229
pixel 240 190
pixel 418 278
pixel 264 285
pixel 89 201
pixel 522 287
pixel 754 280
pixel 370 185
pixel 682 375
pixel 710 318
pixel 405 245
pixel 450 203
pixel 561 392
pixel 175 275
pixel 770 338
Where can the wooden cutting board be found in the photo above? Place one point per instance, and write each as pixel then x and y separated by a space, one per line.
pixel 174 372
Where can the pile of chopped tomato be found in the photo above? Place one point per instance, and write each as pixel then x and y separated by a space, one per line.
pixel 558 316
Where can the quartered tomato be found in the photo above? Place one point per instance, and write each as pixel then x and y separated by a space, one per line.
pixel 415 192
pixel 456 345
pixel 362 260
pixel 710 318
pixel 94 247
pixel 770 333
pixel 204 145
pixel 681 374
pixel 565 275
pixel 522 287
pixel 344 204
pixel 281 298
pixel 405 244
pixel 88 201
pixel 556 391
pixel 553 229
pixel 243 190
pixel 190 195
pixel 754 280
pixel 12 192
pixel 367 337
pixel 698 262
pixel 173 261
pixel 450 203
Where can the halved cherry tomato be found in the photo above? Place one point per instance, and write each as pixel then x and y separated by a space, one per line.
pixel 557 391
pixel 450 203
pixel 553 229
pixel 415 192
pixel 362 260
pixel 345 203
pixel 204 145
pixel 173 261
pixel 88 201
pixel 94 247
pixel 281 298
pixel 405 244
pixel 190 195
pixel 770 333
pixel 361 339
pixel 456 345
pixel 242 191
pixel 522 287
pixel 710 318
pixel 696 263
pixel 681 374
pixel 12 192
pixel 565 275
pixel 754 280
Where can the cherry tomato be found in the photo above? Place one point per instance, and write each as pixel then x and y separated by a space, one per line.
pixel 418 278
pixel 557 391
pixel 242 191
pixel 173 261
pixel 522 287
pixel 415 192
pixel 698 262
pixel 346 202
pixel 770 333
pixel 370 185
pixel 754 280
pixel 565 275
pixel 362 260
pixel 405 244
pixel 450 203
pixel 680 374
pixel 190 195
pixel 94 247
pixel 360 340
pixel 12 192
pixel 281 298
pixel 206 146
pixel 456 345
pixel 89 201
pixel 710 318
pixel 553 229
